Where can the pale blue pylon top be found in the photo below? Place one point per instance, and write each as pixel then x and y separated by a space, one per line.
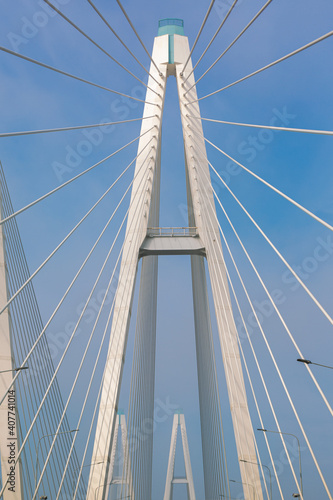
pixel 170 27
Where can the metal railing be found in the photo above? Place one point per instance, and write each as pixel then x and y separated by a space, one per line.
pixel 171 21
pixel 171 231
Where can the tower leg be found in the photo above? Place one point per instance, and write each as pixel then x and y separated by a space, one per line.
pixel 143 382
pixel 214 461
pixel 203 211
pixel 141 417
pixel 9 443
pixel 136 230
pixel 188 468
pixel 124 480
pixel 171 461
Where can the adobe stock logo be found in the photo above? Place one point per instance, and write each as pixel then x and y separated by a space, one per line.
pixel 249 149
pixel 121 108
pixel 222 7
pixel 258 142
pixel 30 26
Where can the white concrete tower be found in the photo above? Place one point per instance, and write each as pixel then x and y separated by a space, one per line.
pixel 120 457
pixel 201 240
pixel 171 480
pixel 9 442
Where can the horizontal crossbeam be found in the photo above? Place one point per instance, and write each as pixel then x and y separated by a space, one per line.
pixel 178 244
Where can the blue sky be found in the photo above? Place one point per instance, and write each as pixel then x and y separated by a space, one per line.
pixel 299 89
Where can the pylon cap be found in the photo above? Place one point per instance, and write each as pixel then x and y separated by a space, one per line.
pixel 170 26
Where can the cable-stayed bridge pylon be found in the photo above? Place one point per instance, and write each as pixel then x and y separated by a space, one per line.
pixel 278 285
pixel 201 240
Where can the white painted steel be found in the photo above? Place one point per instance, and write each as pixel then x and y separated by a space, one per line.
pixel 179 421
pixel 188 468
pixel 214 462
pixel 172 245
pixel 141 409
pixel 135 234
pixel 202 217
pixel 125 481
pixel 8 443
pixel 201 202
